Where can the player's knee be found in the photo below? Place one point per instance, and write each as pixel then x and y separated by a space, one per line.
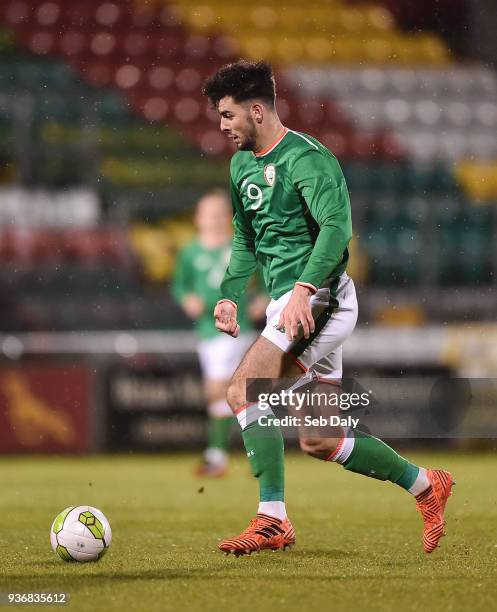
pixel 320 448
pixel 235 394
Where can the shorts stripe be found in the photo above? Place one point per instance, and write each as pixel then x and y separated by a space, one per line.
pixel 333 455
pixel 298 362
pixel 242 408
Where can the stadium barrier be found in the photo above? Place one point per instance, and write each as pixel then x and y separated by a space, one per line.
pixel 86 391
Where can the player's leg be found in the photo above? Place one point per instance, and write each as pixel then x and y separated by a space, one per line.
pixel 357 451
pixel 263 442
pixel 271 357
pixel 219 426
pixel 265 451
pixel 322 354
pixel 363 453
pixel 218 358
pixel 360 452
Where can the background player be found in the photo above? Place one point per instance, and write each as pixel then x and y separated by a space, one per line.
pixel 200 267
pixel 292 216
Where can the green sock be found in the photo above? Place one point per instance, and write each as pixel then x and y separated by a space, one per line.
pixel 219 432
pixel 409 476
pixel 265 451
pixel 372 457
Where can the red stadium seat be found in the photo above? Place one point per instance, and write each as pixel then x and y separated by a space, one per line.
pixel 336 142
pixel 113 246
pixel 17 13
pixel 99 74
pixel 78 16
pixel 166 46
pixel 40 42
pixel 18 245
pixel 127 76
pixel 211 114
pixel 224 47
pixel 188 80
pixel 389 147
pixel 168 20
pixel 311 112
pixel 108 14
pixel 154 108
pixel 103 44
pixel 160 78
pixel 48 13
pixel 73 43
pixel 135 44
pixel 212 142
pixel 144 17
pixel 197 46
pixel 48 246
pixel 80 245
pixel 283 107
pixel 187 110
pixel 361 147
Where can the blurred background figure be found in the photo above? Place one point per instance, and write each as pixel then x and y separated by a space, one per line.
pixel 200 268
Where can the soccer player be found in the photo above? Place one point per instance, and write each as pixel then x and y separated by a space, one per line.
pixel 292 216
pixel 200 267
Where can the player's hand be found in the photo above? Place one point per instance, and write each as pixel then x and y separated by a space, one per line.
pixel 297 312
pixel 193 305
pixel 225 316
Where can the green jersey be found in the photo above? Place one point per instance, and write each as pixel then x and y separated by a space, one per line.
pixel 199 270
pixel 291 215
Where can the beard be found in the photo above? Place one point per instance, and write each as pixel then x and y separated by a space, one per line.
pixel 248 142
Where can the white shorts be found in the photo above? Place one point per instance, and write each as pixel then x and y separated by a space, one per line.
pixel 335 315
pixel 219 357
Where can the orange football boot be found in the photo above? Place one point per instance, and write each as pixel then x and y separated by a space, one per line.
pixel 431 505
pixel 264 532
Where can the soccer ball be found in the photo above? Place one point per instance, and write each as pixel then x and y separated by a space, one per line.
pixel 80 533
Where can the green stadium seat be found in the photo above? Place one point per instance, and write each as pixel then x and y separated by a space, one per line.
pixel 58 107
pixel 413 211
pixel 8 74
pixel 394 254
pixel 112 109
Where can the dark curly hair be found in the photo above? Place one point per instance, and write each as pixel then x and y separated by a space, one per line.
pixel 243 81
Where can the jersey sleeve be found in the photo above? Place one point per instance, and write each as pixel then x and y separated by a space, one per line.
pixel 320 182
pixel 183 274
pixel 242 262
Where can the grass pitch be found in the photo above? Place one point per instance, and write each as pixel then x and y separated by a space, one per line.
pixel 358 540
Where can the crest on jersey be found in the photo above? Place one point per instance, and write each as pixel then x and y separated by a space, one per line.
pixel 270 174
